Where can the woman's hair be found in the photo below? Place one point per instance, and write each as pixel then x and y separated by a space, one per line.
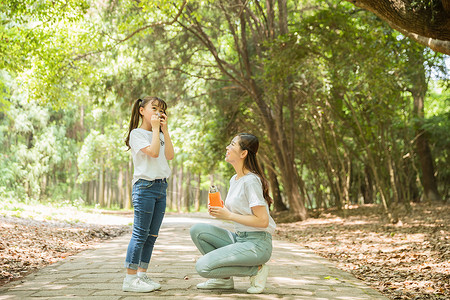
pixel 250 143
pixel 136 114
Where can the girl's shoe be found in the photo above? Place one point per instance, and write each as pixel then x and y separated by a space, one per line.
pixel 147 280
pixel 136 285
pixel 258 282
pixel 217 283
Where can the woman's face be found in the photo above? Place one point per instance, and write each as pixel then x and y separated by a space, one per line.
pixel 234 151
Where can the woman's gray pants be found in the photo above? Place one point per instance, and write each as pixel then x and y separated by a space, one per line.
pixel 228 254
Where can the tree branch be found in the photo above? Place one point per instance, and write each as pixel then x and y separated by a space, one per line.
pixel 428 24
pixel 175 19
pixel 81 56
pixel 436 45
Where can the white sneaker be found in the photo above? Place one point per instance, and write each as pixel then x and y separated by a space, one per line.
pixel 136 285
pixel 217 283
pixel 150 282
pixel 258 282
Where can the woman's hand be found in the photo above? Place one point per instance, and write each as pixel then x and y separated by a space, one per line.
pixel 220 212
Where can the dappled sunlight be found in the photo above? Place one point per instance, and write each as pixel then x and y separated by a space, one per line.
pixel 28 244
pixel 290 282
pixel 293 272
pixel 385 255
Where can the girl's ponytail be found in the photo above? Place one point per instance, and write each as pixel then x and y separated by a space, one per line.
pixel 134 122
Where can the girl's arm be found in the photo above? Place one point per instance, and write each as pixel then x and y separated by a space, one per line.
pixel 153 149
pixel 260 218
pixel 168 151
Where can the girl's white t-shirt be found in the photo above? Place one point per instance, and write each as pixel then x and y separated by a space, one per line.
pixel 245 193
pixel 146 167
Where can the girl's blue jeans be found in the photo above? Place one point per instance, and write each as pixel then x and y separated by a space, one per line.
pixel 228 254
pixel 149 201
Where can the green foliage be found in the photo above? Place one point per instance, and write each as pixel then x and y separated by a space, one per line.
pixel 27 27
pixel 36 148
pixel 100 152
pixel 71 70
pixel 437 123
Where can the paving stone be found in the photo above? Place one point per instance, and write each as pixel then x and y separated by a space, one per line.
pixel 17 295
pixel 97 273
pixel 66 292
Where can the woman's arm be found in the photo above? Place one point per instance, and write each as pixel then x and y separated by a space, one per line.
pixel 260 217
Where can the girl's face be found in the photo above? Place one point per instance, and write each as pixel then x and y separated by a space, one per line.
pixel 234 151
pixel 150 109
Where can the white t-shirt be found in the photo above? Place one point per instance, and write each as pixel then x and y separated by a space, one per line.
pixel 245 193
pixel 146 167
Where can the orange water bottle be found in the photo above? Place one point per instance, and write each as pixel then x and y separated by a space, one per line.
pixel 214 198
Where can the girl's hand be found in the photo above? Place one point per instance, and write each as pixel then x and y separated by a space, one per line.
pixel 219 212
pixel 163 121
pixel 154 121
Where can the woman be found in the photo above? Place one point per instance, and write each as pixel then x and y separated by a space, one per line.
pixel 245 251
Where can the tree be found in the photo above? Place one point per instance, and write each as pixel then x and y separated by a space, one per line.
pixel 330 97
pixel 418 89
pixel 248 29
pixel 427 22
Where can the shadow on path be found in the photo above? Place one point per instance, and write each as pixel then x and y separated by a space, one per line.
pixel 295 272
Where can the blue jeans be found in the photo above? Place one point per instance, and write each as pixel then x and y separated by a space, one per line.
pixel 149 201
pixel 228 254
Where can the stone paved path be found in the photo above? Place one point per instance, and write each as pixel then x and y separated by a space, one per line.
pixel 295 273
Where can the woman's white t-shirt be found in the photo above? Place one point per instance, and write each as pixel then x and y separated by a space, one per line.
pixel 245 193
pixel 146 167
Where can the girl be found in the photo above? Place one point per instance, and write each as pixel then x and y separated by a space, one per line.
pixel 151 147
pixel 244 252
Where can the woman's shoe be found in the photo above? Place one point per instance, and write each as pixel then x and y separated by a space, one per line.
pixel 217 283
pixel 258 282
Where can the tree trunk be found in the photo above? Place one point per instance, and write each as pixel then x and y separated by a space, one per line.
pixel 283 156
pixel 367 186
pixel 426 162
pixel 128 186
pixel 180 198
pixel 388 157
pixel 108 190
pixel 244 78
pixel 120 190
pixel 422 146
pixel 187 192
pixel 93 186
pixel 197 193
pixel 371 163
pixel 101 185
pixel 175 179
pixel 278 204
pixel 43 185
